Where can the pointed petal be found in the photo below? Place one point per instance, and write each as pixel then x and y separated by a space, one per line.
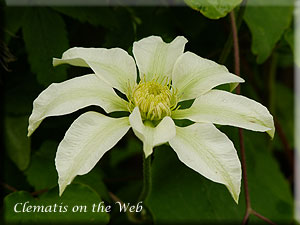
pixel 71 95
pixel 193 76
pixel 225 108
pixel 85 142
pixel 155 58
pixel 149 135
pixel 114 65
pixel 208 151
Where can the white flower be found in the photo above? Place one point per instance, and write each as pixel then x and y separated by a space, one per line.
pixel 167 76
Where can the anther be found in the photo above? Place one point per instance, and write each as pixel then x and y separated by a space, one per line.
pixel 155 100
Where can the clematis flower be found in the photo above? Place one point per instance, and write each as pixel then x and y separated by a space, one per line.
pixel 167 75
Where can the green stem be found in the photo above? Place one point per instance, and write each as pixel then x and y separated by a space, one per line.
pixel 229 43
pixel 147 179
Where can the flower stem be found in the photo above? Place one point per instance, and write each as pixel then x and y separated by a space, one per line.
pixel 130 215
pixel 241 136
pixel 238 91
pixel 249 209
pixel 262 217
pixel 228 45
pixel 235 47
pixel 147 179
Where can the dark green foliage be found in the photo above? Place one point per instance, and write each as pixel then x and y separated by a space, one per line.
pixel 35 35
pixel 180 194
pixel 41 164
pixel 16 141
pixel 212 9
pixel 267 25
pixel 46 29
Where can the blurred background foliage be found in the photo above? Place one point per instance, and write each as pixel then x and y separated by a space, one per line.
pixel 32 36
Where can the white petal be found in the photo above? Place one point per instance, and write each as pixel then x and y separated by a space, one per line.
pixel 193 76
pixel 155 58
pixel 114 65
pixel 71 95
pixel 85 142
pixel 208 151
pixel 225 108
pixel 149 135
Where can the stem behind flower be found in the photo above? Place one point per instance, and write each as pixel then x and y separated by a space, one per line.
pixel 147 179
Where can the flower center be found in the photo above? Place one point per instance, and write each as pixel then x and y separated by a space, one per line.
pixel 155 100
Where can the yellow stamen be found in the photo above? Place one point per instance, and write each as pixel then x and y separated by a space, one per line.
pixel 155 100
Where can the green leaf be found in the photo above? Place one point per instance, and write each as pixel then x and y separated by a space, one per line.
pixel 94 179
pixel 17 144
pixel 43 163
pixel 179 194
pixel 267 24
pixel 290 39
pixel 213 9
pixel 75 195
pixel 41 173
pixel 45 37
pixel 269 189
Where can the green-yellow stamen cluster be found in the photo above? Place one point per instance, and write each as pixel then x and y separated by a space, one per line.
pixel 155 100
